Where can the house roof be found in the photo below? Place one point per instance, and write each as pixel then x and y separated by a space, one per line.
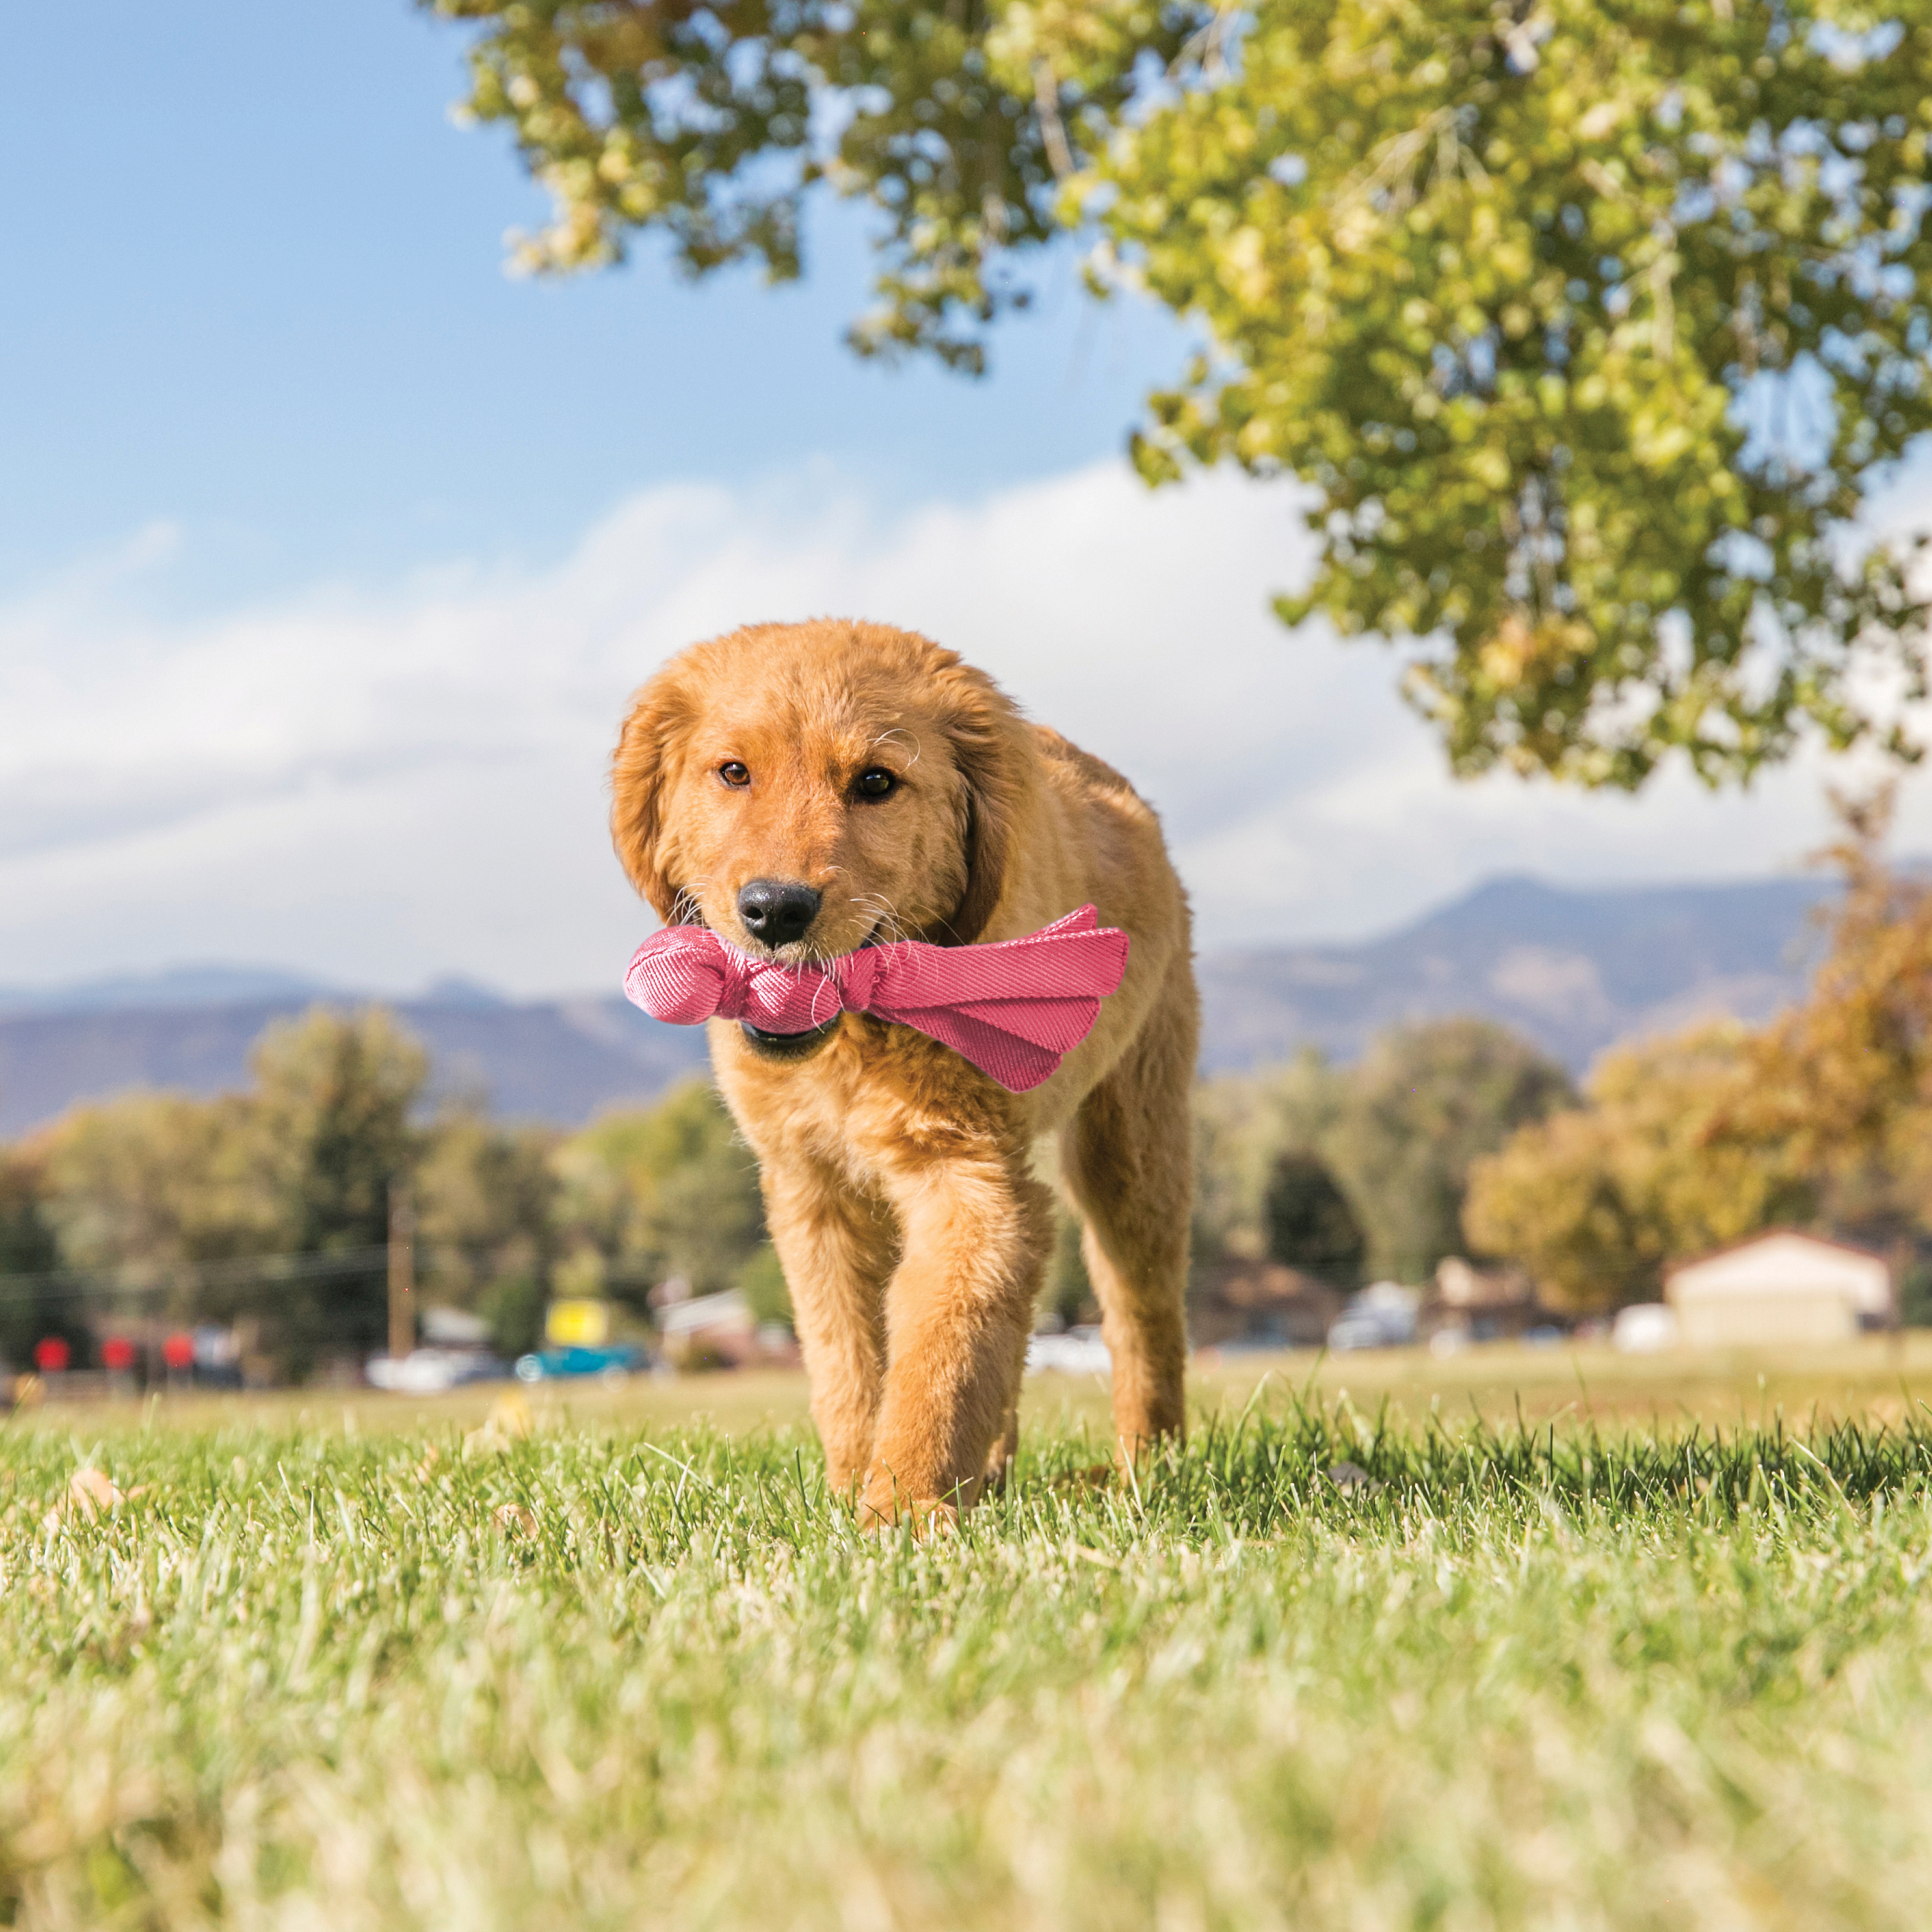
pixel 1764 1235
pixel 1787 1262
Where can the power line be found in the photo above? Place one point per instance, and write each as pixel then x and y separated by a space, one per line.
pixel 241 1272
pixel 245 1271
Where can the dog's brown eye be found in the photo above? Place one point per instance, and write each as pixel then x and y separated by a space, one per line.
pixel 734 773
pixel 876 783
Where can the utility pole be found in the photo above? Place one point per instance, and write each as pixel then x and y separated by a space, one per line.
pixel 402 1271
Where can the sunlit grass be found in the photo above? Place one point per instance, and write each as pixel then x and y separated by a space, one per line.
pixel 590 1677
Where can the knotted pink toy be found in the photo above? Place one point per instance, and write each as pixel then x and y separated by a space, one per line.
pixel 1014 1008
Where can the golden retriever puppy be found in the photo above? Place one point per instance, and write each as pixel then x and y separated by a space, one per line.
pixel 804 789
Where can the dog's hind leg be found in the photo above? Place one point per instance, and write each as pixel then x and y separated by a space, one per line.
pixel 1000 1463
pixel 1127 1159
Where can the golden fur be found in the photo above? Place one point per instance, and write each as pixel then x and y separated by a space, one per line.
pixel 898 1181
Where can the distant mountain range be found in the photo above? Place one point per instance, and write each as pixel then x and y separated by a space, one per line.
pixel 179 986
pixel 546 1060
pixel 1573 969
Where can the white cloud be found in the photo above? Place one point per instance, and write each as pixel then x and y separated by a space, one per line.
pixel 381 786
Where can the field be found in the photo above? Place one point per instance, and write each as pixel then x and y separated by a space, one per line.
pixel 1511 1640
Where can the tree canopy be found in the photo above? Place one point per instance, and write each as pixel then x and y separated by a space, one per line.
pixel 1591 327
pixel 1426 1100
pixel 1344 1171
pixel 667 1191
pixel 158 1204
pixel 1310 1225
pixel 1597 1202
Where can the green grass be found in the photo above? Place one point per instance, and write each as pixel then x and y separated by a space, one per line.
pixel 594 1678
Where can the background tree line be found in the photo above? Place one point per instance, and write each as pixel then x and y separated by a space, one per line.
pixel 1358 1173
pixel 156 1204
pixel 1457 1137
pixel 1450 1136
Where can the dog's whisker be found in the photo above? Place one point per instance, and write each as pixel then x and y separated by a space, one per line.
pixel 886 915
pixel 685 907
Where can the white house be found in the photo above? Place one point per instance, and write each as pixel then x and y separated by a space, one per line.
pixel 1777 1289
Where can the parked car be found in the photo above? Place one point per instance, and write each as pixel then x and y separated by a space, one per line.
pixel 1380 1317
pixel 611 1364
pixel 1645 1328
pixel 431 1371
pixel 1078 1351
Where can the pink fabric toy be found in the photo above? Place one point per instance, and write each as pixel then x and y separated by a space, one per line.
pixel 1014 1010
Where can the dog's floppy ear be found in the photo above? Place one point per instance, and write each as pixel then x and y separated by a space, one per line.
pixel 640 770
pixel 993 752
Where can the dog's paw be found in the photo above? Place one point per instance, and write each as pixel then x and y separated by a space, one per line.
pixel 1095 1476
pixel 924 1517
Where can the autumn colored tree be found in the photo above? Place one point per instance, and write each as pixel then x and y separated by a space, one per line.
pixel 1823 1117
pixel 1589 326
pixel 1845 1077
pixel 1595 1202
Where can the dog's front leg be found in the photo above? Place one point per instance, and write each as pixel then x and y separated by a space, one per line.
pixel 837 1249
pixel 976 1234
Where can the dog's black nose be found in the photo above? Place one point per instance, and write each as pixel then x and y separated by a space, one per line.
pixel 775 911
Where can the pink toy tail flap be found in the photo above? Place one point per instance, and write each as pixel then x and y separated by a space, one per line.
pixel 1057 1025
pixel 1017 1064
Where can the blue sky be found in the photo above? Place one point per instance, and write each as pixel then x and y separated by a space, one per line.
pixel 328 553
pixel 256 288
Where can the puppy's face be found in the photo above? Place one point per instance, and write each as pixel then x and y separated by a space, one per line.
pixel 806 789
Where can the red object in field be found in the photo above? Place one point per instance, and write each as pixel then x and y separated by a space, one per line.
pixel 117 1355
pixel 51 1355
pixel 178 1351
